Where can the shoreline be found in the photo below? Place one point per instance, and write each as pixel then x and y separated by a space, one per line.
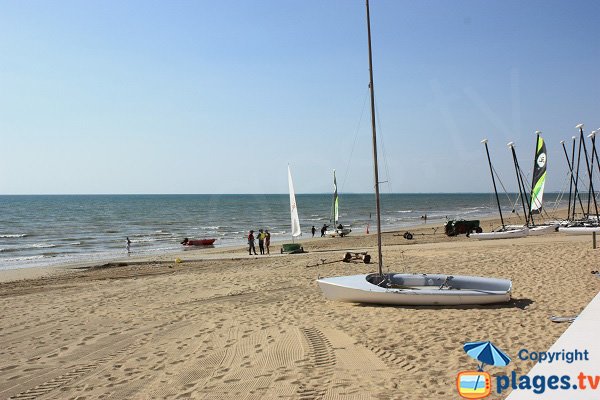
pixel 226 251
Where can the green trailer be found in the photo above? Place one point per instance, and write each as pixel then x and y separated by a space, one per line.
pixel 291 248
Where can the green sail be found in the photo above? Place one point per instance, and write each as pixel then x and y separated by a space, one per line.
pixel 539 177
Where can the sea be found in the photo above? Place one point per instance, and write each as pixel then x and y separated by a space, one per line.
pixel 47 230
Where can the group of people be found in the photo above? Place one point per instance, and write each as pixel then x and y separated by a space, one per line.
pixel 264 241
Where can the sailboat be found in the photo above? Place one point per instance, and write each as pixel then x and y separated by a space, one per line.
pixel 504 232
pixel 408 289
pixel 538 181
pixel 336 229
pixel 591 223
pixel 532 204
pixel 293 247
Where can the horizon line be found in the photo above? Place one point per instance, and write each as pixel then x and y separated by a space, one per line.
pixel 237 194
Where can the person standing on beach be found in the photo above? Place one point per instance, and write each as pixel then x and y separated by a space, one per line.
pixel 313 230
pixel 128 246
pixel 324 229
pixel 267 240
pixel 261 241
pixel 251 247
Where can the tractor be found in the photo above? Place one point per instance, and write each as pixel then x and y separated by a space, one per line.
pixel 455 227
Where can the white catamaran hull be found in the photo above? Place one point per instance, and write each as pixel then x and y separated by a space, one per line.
pixel 543 229
pixel 537 230
pixel 579 230
pixel 338 232
pixel 516 233
pixel 417 289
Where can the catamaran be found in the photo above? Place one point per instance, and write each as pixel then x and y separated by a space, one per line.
pixel 504 232
pixel 532 204
pixel 408 289
pixel 591 223
pixel 336 228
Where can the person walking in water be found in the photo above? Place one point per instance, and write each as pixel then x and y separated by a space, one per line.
pixel 261 241
pixel 251 247
pixel 128 246
pixel 267 240
pixel 313 230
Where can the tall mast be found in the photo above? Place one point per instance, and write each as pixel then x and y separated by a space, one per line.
pixel 484 141
pixel 375 165
pixel 587 164
pixel 577 177
pixel 562 142
pixel 574 178
pixel 520 183
pixel 572 181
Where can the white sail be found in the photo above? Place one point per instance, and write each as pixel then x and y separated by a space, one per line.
pixel 293 208
pixel 335 206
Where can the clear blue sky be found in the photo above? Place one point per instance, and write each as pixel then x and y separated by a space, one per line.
pixel 219 96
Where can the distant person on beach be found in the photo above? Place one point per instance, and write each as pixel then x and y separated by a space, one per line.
pixel 313 230
pixel 323 230
pixel 261 241
pixel 267 240
pixel 251 247
pixel 128 246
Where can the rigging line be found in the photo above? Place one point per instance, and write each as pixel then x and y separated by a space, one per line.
pixel 502 184
pixel 383 152
pixel 362 113
pixel 567 180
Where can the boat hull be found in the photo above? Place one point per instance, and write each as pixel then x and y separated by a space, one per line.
pixel 517 233
pixel 419 289
pixel 200 242
pixel 579 230
pixel 339 232
pixel 543 229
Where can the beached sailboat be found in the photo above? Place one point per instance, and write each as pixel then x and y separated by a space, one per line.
pixel 293 247
pixel 504 232
pixel 538 181
pixel 590 224
pixel 408 289
pixel 532 204
pixel 336 229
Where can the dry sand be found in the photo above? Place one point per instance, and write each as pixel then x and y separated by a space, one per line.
pixel 225 325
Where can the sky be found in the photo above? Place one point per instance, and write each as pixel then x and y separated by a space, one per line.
pixel 219 97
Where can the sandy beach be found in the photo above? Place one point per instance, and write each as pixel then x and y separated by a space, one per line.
pixel 222 324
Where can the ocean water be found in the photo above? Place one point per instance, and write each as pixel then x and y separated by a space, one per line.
pixel 57 229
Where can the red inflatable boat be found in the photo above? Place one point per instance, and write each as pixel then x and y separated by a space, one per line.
pixel 198 242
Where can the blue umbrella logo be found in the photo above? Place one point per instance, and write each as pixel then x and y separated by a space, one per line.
pixel 487 353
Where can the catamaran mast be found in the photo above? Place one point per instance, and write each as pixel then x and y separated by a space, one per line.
pixel 375 165
pixel 484 141
pixel 587 164
pixel 524 200
pixel 572 182
pixel 562 142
